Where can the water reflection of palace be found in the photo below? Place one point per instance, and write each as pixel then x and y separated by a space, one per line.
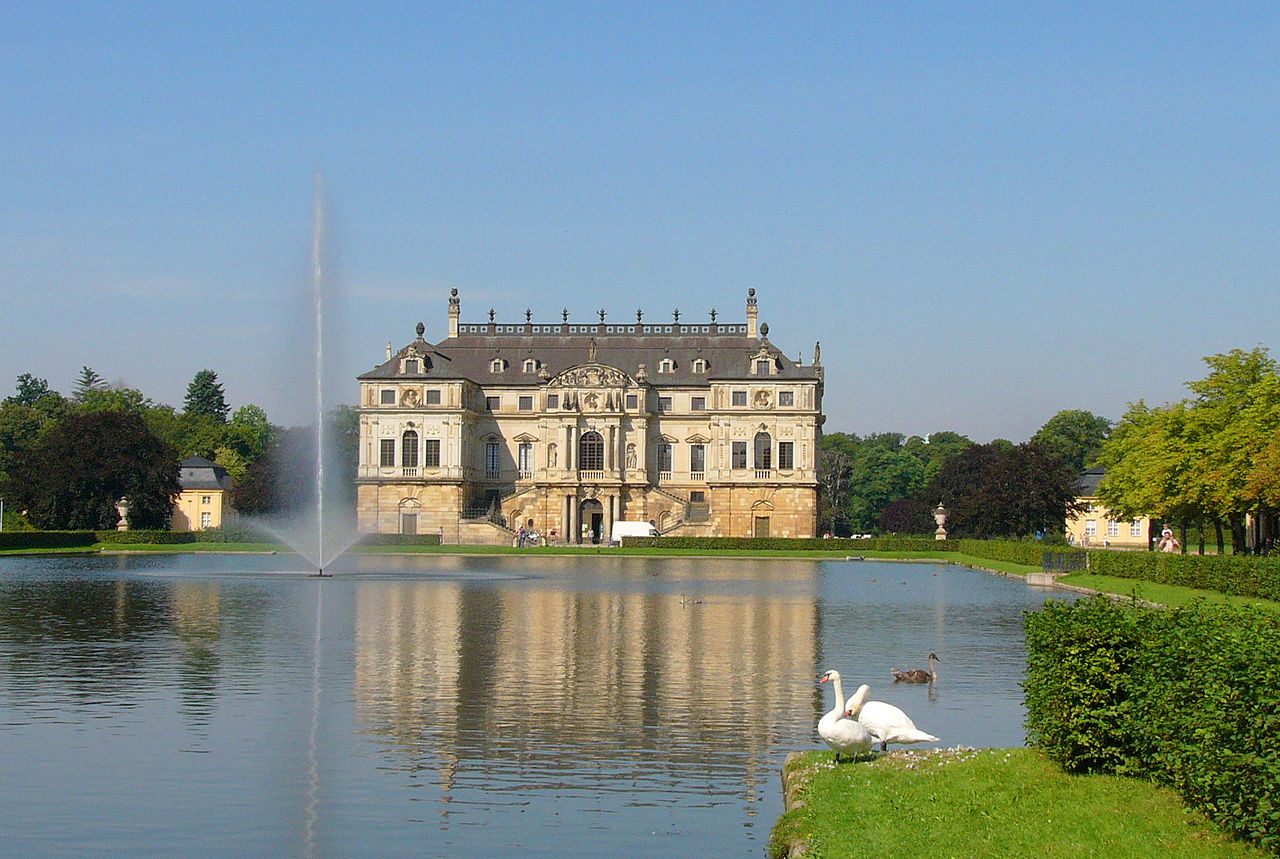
pixel 464 670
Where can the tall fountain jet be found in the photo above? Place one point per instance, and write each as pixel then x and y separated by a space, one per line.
pixel 317 295
pixel 319 527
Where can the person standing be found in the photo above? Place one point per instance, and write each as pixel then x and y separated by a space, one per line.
pixel 1168 543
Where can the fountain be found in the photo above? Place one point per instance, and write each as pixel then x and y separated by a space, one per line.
pixel 320 531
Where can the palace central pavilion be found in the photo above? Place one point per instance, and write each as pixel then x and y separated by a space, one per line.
pixel 701 429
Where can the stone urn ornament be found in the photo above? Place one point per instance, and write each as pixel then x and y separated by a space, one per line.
pixel 122 507
pixel 940 516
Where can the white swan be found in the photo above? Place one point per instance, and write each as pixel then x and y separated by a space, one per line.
pixel 890 725
pixel 838 728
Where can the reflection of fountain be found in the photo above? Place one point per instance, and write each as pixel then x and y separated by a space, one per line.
pixel 320 533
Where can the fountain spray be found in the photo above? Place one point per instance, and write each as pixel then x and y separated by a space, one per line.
pixel 317 290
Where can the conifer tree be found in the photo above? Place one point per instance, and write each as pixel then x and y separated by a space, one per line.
pixel 89 381
pixel 205 397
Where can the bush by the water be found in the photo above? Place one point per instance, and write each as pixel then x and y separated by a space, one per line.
pixel 46 539
pixel 1187 697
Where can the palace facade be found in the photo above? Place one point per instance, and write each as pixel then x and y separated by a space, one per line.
pixel 702 429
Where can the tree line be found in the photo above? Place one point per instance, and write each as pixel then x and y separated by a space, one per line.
pixel 65 461
pixel 1211 459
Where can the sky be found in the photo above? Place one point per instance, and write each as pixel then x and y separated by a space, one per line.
pixel 986 213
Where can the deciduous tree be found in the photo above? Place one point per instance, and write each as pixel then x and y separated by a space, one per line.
pixel 73 477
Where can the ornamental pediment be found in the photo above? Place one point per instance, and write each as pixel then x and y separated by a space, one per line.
pixel 697 438
pixel 591 376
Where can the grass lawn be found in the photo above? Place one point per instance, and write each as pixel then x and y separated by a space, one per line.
pixel 989 802
pixel 1170 595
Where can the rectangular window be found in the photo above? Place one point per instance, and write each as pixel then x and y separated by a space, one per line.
pixel 431 453
pixel 1113 528
pixel 697 496
pixel 739 454
pixel 524 456
pixel 739 398
pixel 664 404
pixel 553 401
pixel 698 404
pixel 206 520
pixel 786 455
pixel 1135 529
pixel 697 457
pixel 411 365
pixel 206 499
pixel 632 401
pixel 664 457
pixel 493 403
pixel 387 452
pixel 491 458
pixel 1091 527
pixel 786 398
pixel 526 404
pixel 762 367
pixel 409 450
pixel 387 397
pixel 433 396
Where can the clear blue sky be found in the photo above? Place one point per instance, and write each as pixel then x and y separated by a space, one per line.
pixel 986 214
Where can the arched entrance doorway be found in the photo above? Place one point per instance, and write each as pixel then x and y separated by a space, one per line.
pixel 592 518
pixel 409 509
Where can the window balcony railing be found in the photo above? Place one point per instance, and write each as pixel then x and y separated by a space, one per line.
pixel 697 475
pixel 492 474
pixel 764 474
pixel 664 475
pixel 584 474
pixel 524 474
pixel 409 471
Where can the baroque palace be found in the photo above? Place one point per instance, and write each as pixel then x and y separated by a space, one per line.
pixel 701 429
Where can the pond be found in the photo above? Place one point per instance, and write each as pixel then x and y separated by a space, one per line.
pixel 459 705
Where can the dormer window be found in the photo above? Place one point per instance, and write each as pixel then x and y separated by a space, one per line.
pixel 412 366
pixel 497 365
pixel 666 365
pixel 530 365
pixel 763 366
pixel 700 365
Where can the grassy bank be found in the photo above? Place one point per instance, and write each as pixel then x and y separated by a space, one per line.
pixel 992 802
pixel 1169 595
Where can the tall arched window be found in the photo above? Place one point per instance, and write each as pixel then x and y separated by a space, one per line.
pixel 764 451
pixel 591 452
pixel 409 449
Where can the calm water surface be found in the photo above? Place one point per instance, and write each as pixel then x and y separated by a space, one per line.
pixel 448 706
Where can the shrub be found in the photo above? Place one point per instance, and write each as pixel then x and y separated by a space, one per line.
pixel 46 539
pixel 1241 575
pixel 138 537
pixel 1188 697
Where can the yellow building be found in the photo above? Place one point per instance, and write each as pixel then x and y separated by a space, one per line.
pixel 203 501
pixel 1096 527
pixel 703 429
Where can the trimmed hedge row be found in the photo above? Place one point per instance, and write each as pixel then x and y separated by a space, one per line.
pixel 400 540
pixel 46 539
pixel 1030 553
pixel 794 544
pixel 1189 698
pixel 1241 575
pixel 148 537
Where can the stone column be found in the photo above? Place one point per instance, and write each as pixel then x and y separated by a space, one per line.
pixel 608 517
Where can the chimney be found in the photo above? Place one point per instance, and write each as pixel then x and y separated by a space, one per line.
pixel 455 308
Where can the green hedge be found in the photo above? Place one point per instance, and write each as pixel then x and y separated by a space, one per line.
pixel 400 540
pixel 794 544
pixel 1241 575
pixel 46 539
pixel 149 537
pixel 1189 698
pixel 1029 552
